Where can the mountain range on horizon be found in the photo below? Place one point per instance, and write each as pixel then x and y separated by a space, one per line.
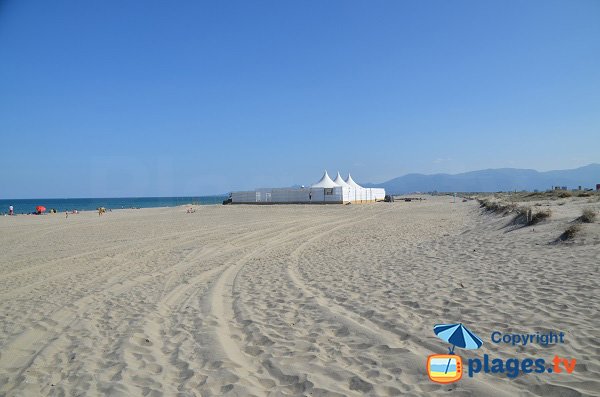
pixel 493 180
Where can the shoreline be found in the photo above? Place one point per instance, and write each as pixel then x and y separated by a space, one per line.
pixel 48 207
pixel 58 213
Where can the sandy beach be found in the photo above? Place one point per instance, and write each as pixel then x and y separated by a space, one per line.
pixel 292 300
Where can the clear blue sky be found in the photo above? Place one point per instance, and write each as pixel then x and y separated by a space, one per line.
pixel 137 98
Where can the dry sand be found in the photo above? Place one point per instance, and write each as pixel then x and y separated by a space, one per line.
pixel 290 300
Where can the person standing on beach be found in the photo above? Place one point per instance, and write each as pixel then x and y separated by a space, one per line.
pixel 11 210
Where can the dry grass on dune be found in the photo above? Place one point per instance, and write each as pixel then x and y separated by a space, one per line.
pixel 588 215
pixel 554 195
pixel 570 233
pixel 518 205
pixel 539 216
pixel 524 216
pixel 497 207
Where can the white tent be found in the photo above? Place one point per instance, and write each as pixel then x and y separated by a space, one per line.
pixel 326 191
pixel 351 182
pixel 339 181
pixel 325 182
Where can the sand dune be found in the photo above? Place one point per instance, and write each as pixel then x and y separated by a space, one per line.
pixel 289 300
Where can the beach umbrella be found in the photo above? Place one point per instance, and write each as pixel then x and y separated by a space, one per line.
pixel 40 208
pixel 457 335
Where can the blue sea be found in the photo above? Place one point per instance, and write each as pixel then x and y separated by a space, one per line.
pixel 24 206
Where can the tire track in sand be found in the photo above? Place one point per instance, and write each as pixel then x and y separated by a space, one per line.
pixel 362 325
pixel 179 328
pixel 221 301
pixel 21 353
pixel 272 340
pixel 220 307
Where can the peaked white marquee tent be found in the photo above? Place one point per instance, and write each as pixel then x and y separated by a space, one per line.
pixel 325 191
pixel 325 182
pixel 339 181
pixel 351 182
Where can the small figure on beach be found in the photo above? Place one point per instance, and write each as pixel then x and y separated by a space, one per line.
pixel 66 214
pixel 11 210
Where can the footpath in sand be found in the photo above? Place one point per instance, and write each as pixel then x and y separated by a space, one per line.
pixel 289 300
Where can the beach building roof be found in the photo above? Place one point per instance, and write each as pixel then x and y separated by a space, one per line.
pixel 351 182
pixel 338 180
pixel 325 182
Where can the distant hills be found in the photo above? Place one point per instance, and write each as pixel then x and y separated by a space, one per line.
pixel 493 180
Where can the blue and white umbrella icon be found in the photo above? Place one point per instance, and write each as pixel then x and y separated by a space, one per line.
pixel 457 335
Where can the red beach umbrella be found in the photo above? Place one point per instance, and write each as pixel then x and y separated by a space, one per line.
pixel 40 208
